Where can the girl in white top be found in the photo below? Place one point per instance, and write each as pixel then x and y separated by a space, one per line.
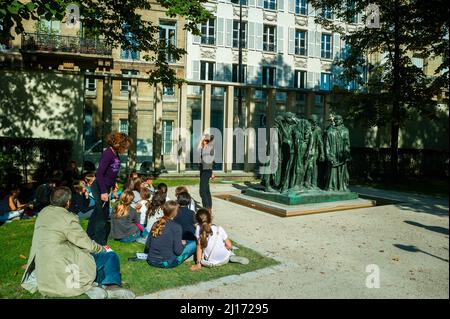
pixel 155 211
pixel 143 205
pixel 214 248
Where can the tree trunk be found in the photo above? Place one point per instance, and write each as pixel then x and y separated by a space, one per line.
pixel 132 126
pixel 395 124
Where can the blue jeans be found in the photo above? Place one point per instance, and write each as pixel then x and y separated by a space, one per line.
pixel 108 269
pixel 188 251
pixel 131 238
pixel 7 216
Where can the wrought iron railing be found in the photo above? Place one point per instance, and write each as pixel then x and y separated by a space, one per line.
pixel 62 43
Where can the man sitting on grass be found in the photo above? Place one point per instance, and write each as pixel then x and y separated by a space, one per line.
pixel 65 262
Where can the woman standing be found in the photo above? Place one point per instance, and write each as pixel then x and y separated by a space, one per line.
pixel 206 149
pixel 105 179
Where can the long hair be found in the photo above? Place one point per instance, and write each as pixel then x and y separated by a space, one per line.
pixel 158 200
pixel 119 141
pixel 123 206
pixel 170 209
pixel 204 220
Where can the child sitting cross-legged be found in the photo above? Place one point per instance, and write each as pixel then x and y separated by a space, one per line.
pixel 125 220
pixel 166 249
pixel 213 246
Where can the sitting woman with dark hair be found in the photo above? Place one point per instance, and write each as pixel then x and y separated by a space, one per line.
pixel 186 219
pixel 165 246
pixel 80 204
pixel 65 262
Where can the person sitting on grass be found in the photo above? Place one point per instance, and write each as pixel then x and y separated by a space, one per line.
pixel 143 206
pixel 162 190
pixel 148 183
pixel 65 262
pixel 154 213
pixel 124 220
pixel 186 219
pixel 14 203
pixel 165 246
pixel 42 194
pixel 214 248
pixel 80 204
pixel 10 207
pixel 183 189
pixel 136 187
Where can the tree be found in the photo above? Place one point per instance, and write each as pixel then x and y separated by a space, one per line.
pixel 118 22
pixel 395 85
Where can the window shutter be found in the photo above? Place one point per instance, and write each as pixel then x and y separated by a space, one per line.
pixel 260 3
pixel 291 41
pixel 227 72
pixel 196 38
pixel 311 10
pixel 336 46
pixel 220 31
pixel 251 36
pixel 219 76
pixel 318 44
pixel 291 6
pixel 311 43
pixel 310 80
pixel 291 79
pixel 196 70
pixel 279 76
pixel 280 39
pixel 229 36
pixel 259 36
pixel 280 5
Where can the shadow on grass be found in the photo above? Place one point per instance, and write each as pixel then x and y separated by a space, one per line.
pixel 137 276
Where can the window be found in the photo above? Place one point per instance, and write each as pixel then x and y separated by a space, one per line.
pixel 167 34
pixel 269 38
pixel 236 34
pixel 235 73
pixel 325 81
pixel 268 75
pixel 300 42
pixel 325 51
pixel 270 4
pixel 167 137
pixel 129 54
pixel 168 91
pixel 206 70
pixel 123 126
pixel 244 2
pixel 125 85
pixel 418 62
pixel 300 79
pixel 352 6
pixel 327 13
pixel 301 7
pixel 208 32
pixel 91 83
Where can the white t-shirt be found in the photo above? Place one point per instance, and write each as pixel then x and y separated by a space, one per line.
pixel 153 219
pixel 136 199
pixel 221 253
pixel 143 210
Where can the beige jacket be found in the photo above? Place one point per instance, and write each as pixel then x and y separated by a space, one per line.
pixel 61 255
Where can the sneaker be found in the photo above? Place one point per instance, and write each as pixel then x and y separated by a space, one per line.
pixel 120 293
pixel 239 260
pixel 141 240
pixel 97 293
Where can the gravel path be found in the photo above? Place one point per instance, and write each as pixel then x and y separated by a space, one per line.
pixel 327 255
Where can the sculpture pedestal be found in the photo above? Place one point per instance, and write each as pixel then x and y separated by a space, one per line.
pixel 300 198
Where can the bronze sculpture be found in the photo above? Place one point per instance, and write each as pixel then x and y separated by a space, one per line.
pixel 301 145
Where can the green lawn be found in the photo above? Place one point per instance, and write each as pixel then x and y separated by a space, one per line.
pixel 137 276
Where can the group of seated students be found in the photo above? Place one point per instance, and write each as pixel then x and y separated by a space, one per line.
pixel 172 230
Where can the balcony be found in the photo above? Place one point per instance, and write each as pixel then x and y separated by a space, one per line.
pixel 65 44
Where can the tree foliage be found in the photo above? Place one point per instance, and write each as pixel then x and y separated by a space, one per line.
pixel 118 22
